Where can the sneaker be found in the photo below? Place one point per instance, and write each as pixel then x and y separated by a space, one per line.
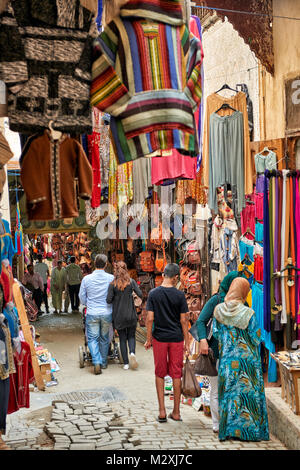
pixel 133 362
pixel 97 369
pixel 126 367
pixel 103 366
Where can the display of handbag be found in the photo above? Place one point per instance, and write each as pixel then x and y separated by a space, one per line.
pixel 146 283
pixel 158 280
pixel 156 236
pixel 194 304
pixel 193 284
pixel 116 257
pixel 147 261
pixel 133 274
pixel 161 263
pixel 194 316
pixel 206 365
pixel 184 272
pixel 190 387
pixel 193 255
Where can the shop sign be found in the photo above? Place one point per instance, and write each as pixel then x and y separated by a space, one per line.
pixel 292 94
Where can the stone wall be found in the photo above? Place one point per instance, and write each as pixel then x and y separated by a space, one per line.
pixel 283 423
pixel 229 60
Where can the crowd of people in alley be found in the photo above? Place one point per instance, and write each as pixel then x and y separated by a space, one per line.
pixel 227 331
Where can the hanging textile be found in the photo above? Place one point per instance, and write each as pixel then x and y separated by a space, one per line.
pixel 281 255
pixel 48 171
pixel 238 102
pixel 18 230
pixel 60 33
pixel 163 92
pixel 7 249
pixel 196 29
pixel 20 380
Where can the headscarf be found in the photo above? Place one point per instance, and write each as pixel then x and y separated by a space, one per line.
pixel 233 312
pixel 226 283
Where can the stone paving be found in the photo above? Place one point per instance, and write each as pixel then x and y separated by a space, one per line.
pixel 125 425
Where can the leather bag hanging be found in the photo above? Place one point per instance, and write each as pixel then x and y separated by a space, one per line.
pixel 190 387
pixel 161 263
pixel 146 283
pixel 193 283
pixel 206 365
pixel 193 253
pixel 158 280
pixel 147 261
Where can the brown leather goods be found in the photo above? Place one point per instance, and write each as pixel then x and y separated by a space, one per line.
pixel 206 365
pixel 133 274
pixel 193 284
pixel 184 272
pixel 137 300
pixel 116 257
pixel 130 245
pixel 147 261
pixel 194 304
pixel 146 283
pixel 161 263
pixel 194 315
pixel 158 280
pixel 193 253
pixel 156 236
pixel 190 387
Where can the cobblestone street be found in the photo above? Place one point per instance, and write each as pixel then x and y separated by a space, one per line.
pixel 124 425
pixel 97 412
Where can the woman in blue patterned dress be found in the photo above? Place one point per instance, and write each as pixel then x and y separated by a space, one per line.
pixel 242 402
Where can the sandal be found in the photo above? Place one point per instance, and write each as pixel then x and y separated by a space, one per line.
pixel 171 417
pixel 161 420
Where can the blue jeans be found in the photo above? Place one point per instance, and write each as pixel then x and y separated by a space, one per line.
pixel 97 330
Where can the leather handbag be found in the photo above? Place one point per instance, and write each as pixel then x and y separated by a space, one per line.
pixel 190 387
pixel 194 304
pixel 193 253
pixel 161 263
pixel 158 280
pixel 184 272
pixel 147 261
pixel 206 365
pixel 146 283
pixel 193 284
pixel 133 274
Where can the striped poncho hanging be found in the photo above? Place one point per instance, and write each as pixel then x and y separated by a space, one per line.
pixel 147 75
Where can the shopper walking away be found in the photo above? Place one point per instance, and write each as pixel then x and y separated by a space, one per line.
pixel 74 278
pixel 124 316
pixel 34 282
pixel 167 308
pixel 42 268
pixel 93 294
pixel 58 285
pixel 204 327
pixel 242 402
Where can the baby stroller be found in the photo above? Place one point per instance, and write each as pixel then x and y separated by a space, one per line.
pixel 114 352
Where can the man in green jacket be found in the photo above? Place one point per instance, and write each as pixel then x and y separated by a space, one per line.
pixel 74 278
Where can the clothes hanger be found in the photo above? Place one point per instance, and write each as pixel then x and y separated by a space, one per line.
pixel 56 135
pixel 248 231
pixel 227 87
pixel 226 106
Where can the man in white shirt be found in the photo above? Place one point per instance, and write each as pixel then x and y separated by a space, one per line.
pixel 43 270
pixel 93 293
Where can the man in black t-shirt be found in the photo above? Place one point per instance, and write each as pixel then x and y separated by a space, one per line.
pixel 167 308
